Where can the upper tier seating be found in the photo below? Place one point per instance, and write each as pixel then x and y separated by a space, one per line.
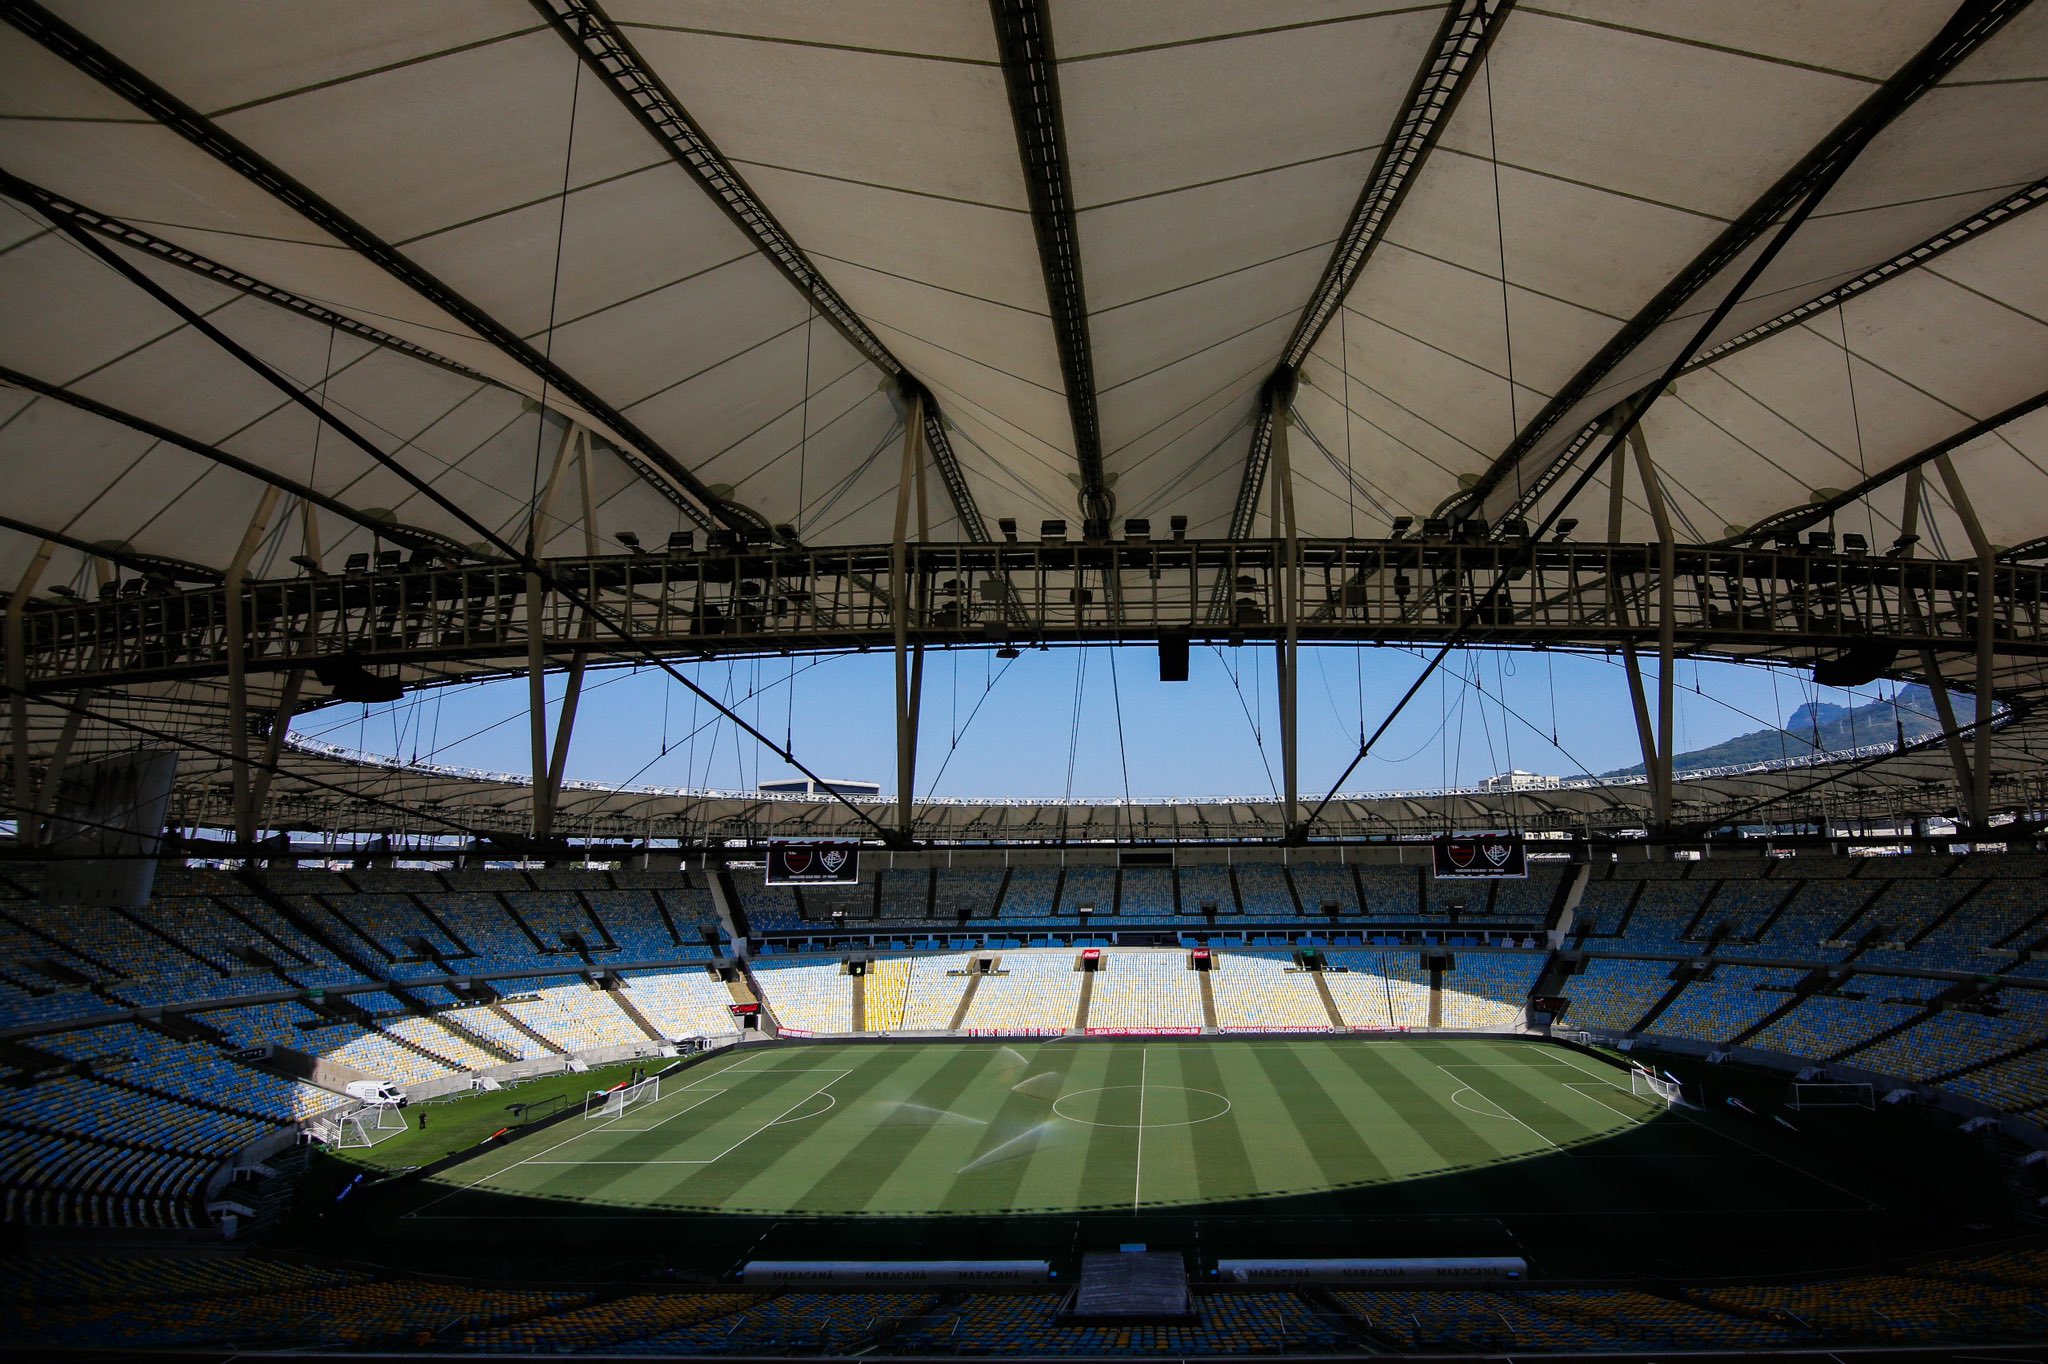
pixel 1321 883
pixel 1264 890
pixel 1391 892
pixel 1029 898
pixel 769 909
pixel 906 892
pixel 1206 883
pixel 1529 898
pixel 1727 1003
pixel 962 892
pixel 1614 994
pixel 1091 887
pixel 1145 896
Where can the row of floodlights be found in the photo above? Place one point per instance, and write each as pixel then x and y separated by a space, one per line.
pixel 1053 531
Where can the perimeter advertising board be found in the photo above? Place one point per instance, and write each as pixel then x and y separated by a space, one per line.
pixel 1483 857
pixel 813 864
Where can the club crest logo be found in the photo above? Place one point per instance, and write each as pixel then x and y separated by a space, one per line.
pixel 1459 853
pixel 1497 854
pixel 832 861
pixel 797 860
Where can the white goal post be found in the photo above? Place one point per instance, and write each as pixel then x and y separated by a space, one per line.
pixel 1651 1087
pixel 610 1103
pixel 366 1126
pixel 1814 1094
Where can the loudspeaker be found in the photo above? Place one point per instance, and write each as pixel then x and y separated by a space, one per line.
pixel 346 677
pixel 1173 657
pixel 1863 662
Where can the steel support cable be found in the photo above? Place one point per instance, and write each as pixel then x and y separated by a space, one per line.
pixel 1967 30
pixel 226 755
pixel 1959 732
pixel 1463 39
pixel 601 44
pixel 1817 190
pixel 513 553
pixel 393 531
pixel 661 470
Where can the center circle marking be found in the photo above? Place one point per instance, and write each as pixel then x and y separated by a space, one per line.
pixel 1152 1089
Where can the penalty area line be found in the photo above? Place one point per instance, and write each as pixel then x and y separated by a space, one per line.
pixel 535 1157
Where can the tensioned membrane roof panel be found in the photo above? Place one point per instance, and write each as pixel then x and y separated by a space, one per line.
pixel 463 230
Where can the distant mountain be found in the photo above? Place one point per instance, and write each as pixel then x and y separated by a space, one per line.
pixel 1840 728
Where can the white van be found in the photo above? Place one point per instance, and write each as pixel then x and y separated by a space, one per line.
pixel 376 1093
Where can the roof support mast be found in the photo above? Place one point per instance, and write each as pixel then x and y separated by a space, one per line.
pixel 1287 649
pixel 1984 603
pixel 17 681
pixel 1657 743
pixel 909 658
pixel 1944 705
pixel 238 672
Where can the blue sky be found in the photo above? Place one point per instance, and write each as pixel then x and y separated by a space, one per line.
pixel 1008 729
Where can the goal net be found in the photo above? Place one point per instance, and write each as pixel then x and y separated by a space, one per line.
pixel 367 1126
pixel 610 1103
pixel 1651 1087
pixel 1821 1095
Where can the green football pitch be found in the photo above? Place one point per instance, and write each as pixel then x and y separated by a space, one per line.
pixel 1393 1129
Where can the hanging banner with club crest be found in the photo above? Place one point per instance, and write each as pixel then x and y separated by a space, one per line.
pixel 813 864
pixel 1483 857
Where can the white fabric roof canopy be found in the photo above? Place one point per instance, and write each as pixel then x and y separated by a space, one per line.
pixel 1527 281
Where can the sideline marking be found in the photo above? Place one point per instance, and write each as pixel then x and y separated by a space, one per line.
pixel 534 1158
pixel 1138 1179
pixel 1581 1088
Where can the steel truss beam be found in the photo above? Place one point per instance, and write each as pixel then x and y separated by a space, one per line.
pixel 1795 519
pixel 1031 74
pixel 149 565
pixel 1728 600
pixel 335 793
pixel 660 469
pixel 395 532
pixel 1973 24
pixel 1955 235
pixel 1467 32
pixel 605 49
pixel 54 205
